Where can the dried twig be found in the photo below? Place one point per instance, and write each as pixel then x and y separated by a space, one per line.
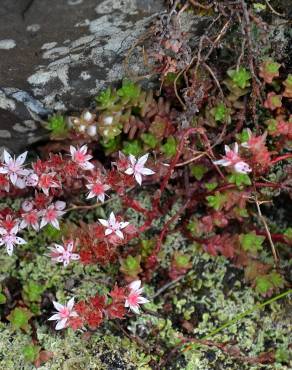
pixel 263 220
pixel 273 10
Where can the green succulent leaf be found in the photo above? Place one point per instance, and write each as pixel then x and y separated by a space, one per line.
pixel 240 77
pixel 32 291
pixel 30 352
pixel 129 90
pixel 57 125
pixel 263 285
pixel 169 148
pixel 19 318
pixel 132 147
pixel 2 298
pixel 198 171
pixel 251 242
pixel 216 201
pixel 220 112
pixel 239 179
pixel 107 99
pixel 150 140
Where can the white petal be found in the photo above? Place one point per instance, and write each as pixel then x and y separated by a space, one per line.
pixel 23 224
pixel 142 300
pixel 90 195
pixel 138 178
pixel 108 232
pixel 72 150
pixel 19 240
pixel 112 218
pixel 222 162
pixel 129 171
pixel 15 229
pixel 3 170
pixel 59 205
pixel 135 285
pixel 135 309
pixel 9 248
pixel 7 157
pixel 87 166
pixel 75 257
pixel 43 223
pixel 119 234
pixel 70 304
pixel 61 324
pixel 21 158
pixel 70 246
pixel 235 148
pixel 27 206
pixel 103 222
pixel 13 178
pixel 59 248
pixel 124 224
pixel 56 316
pixel 227 149
pixel 147 171
pixel 132 160
pixel 83 149
pixel 55 223
pixel 58 306
pixel 143 159
pixel 101 198
pixel 20 183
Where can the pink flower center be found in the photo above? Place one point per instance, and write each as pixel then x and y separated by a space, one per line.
pixel 65 313
pixel 79 157
pixel 232 157
pixel 9 238
pixel 51 214
pixel 138 167
pixel 98 189
pixel 133 298
pixel 13 167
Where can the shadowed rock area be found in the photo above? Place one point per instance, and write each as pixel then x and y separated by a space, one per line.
pixel 55 57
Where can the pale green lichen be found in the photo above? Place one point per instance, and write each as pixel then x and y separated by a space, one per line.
pixel 212 293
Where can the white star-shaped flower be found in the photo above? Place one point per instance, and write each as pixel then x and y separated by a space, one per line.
pixel 232 159
pixel 134 298
pixel 137 169
pixel 9 238
pixel 13 167
pixel 63 314
pixel 80 157
pixel 113 226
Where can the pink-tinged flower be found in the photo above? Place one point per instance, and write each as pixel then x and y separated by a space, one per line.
pixel 47 181
pixel 30 217
pixel 50 215
pixel 80 157
pixel 232 159
pixel 113 226
pixel 9 238
pixel 137 168
pixel 64 254
pixel 134 299
pixel 32 178
pixel 13 167
pixel 97 189
pixel 63 314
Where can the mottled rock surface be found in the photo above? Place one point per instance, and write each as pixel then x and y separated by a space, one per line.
pixel 55 55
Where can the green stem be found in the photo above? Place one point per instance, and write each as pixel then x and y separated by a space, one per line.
pixel 245 313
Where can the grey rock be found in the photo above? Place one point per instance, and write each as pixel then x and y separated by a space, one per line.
pixel 55 55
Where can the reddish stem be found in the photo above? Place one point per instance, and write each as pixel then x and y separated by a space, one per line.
pixel 281 158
